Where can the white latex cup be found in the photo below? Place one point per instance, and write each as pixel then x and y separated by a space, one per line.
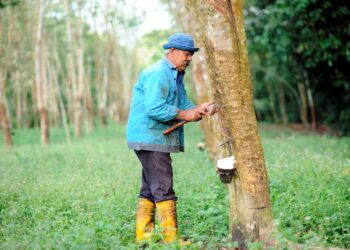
pixel 226 163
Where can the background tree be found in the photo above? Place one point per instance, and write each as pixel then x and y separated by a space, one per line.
pixel 79 66
pixel 40 74
pixel 302 45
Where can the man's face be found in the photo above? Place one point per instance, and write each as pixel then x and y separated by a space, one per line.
pixel 181 59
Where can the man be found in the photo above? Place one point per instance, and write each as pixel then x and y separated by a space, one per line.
pixel 160 101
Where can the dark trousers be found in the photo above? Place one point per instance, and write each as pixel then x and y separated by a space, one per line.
pixel 157 176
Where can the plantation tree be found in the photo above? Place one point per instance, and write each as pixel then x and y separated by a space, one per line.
pixel 55 71
pixel 104 46
pixel 40 74
pixel 75 67
pixel 4 121
pixel 224 39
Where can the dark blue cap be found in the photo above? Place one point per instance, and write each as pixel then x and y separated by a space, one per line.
pixel 181 41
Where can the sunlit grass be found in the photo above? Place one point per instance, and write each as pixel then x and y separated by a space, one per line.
pixel 83 195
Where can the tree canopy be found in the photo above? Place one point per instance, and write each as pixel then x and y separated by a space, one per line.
pixel 304 41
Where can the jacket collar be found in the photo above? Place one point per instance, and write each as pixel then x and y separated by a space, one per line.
pixel 170 64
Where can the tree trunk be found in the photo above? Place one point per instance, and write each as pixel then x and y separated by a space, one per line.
pixel 4 121
pixel 72 74
pixel 101 80
pixel 283 106
pixel 303 106
pixel 34 104
pixel 225 44
pixel 18 96
pixel 26 111
pixel 271 101
pixel 39 75
pixel 310 101
pixel 89 114
pixel 56 70
pixel 81 73
pixel 5 125
pixel 102 106
pixel 49 90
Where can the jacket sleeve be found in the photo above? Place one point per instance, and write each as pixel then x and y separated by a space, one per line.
pixel 156 90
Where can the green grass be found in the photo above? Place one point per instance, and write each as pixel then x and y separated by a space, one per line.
pixel 83 195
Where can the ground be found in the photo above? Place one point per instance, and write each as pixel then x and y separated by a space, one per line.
pixel 83 195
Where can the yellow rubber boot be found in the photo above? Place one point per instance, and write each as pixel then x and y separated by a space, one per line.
pixel 144 219
pixel 166 214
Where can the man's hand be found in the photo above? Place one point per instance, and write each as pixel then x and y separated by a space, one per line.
pixel 208 108
pixel 191 115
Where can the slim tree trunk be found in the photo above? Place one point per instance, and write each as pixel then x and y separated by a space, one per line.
pixel 303 106
pixel 34 104
pixel 123 75
pixel 271 101
pixel 102 106
pixel 81 73
pixel 51 98
pixel 89 114
pixel 55 71
pixel 282 102
pixel 4 121
pixel 18 96
pixel 101 81
pixel 72 73
pixel 40 75
pixel 5 125
pixel 226 52
pixel 310 100
pixel 26 111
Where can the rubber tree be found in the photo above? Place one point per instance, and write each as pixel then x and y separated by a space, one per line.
pixel 4 121
pixel 74 65
pixel 223 36
pixel 40 78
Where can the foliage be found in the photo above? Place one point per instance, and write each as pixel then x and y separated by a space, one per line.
pixel 6 3
pixel 84 195
pixel 108 52
pixel 303 41
pixel 151 46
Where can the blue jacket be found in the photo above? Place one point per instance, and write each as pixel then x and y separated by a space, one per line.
pixel 157 95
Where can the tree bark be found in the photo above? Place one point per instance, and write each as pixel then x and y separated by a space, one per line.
pixel 39 75
pixel 225 45
pixel 4 121
pixel 283 106
pixel 303 106
pixel 89 114
pixel 101 81
pixel 310 100
pixel 5 125
pixel 81 72
pixel 72 71
pixel 271 101
pixel 55 72
pixel 102 105
pixel 18 96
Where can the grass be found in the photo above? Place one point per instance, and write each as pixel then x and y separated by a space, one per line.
pixel 83 195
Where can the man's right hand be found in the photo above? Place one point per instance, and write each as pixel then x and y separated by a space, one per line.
pixel 191 115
